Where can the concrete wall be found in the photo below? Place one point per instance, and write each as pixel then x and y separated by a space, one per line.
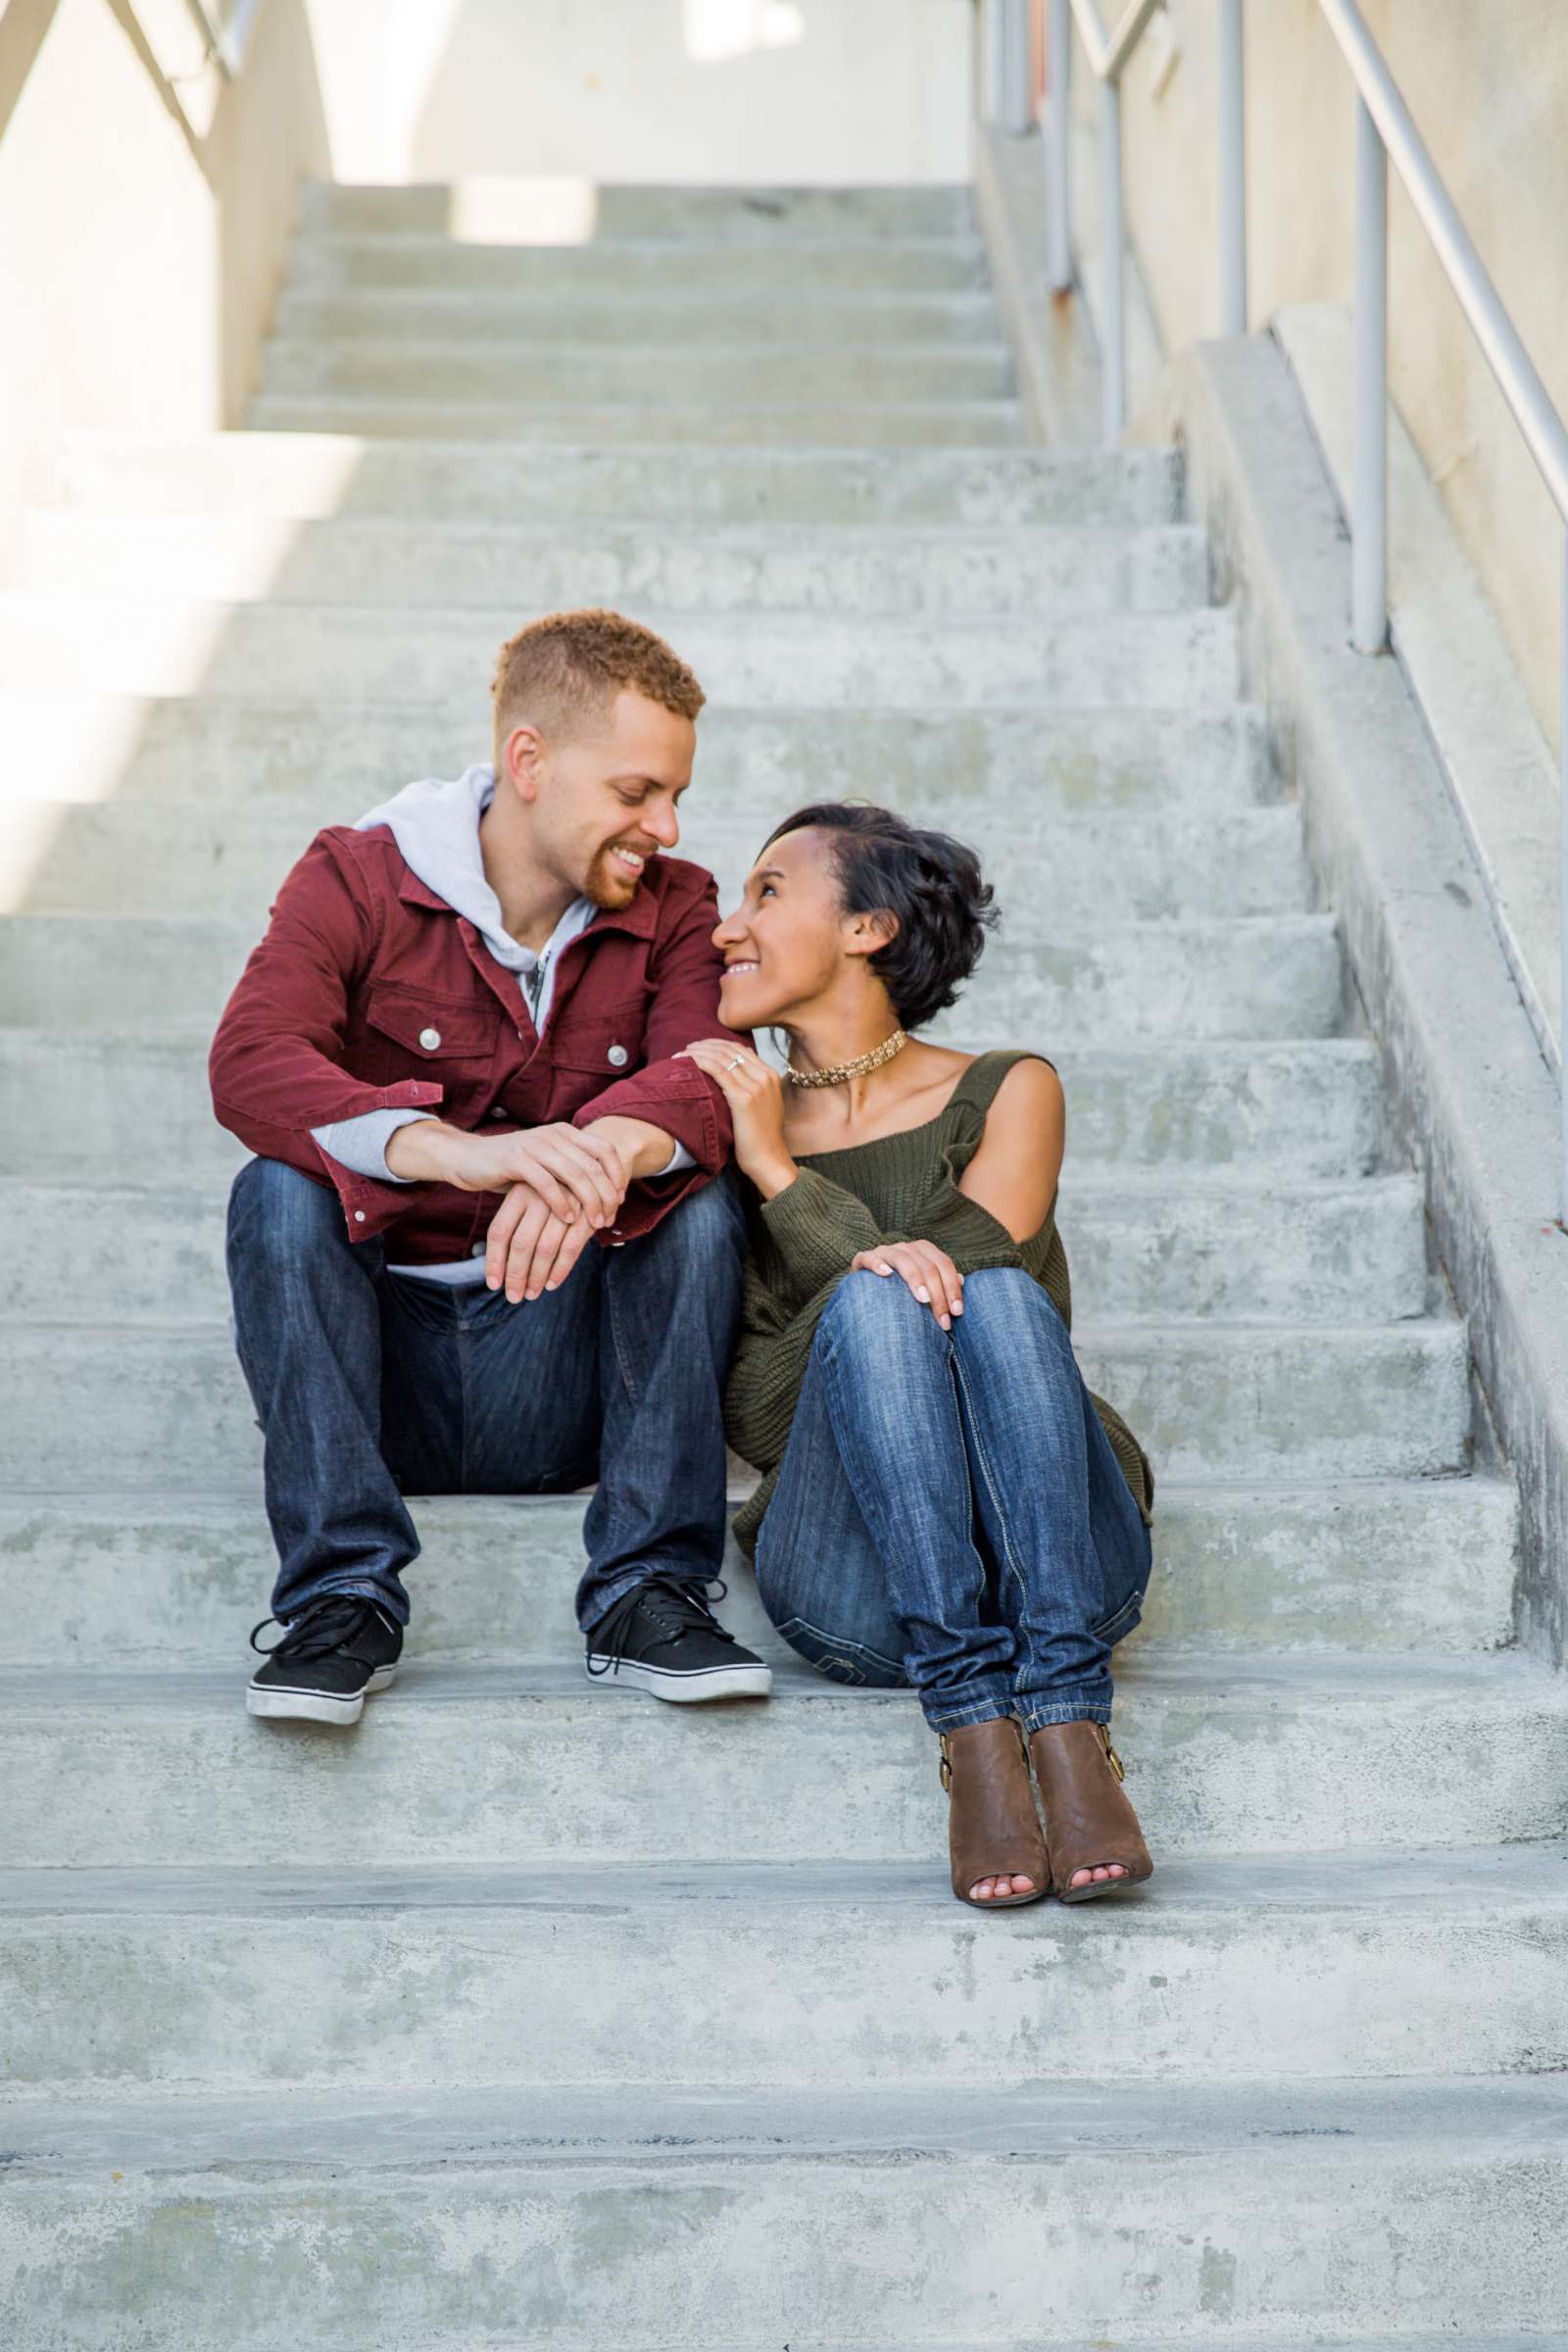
pixel 1488 87
pixel 617 90
pixel 142 221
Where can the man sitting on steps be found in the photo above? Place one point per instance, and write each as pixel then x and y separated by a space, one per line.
pixel 453 1054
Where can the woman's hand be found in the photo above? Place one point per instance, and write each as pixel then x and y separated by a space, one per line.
pixel 929 1272
pixel 755 1098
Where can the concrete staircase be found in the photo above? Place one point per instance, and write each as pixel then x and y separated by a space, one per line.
pixel 530 2015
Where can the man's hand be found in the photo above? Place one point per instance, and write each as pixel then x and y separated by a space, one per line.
pixel 530 1250
pixel 574 1172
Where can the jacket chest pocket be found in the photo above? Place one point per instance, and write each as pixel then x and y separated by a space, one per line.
pixel 411 1035
pixel 587 1056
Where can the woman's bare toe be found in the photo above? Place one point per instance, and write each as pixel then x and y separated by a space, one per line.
pixel 1100 1872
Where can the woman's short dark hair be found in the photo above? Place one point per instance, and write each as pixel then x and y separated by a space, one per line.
pixel 930 882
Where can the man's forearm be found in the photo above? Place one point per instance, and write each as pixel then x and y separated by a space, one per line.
pixel 432 1151
pixel 645 1150
pixel 425 1152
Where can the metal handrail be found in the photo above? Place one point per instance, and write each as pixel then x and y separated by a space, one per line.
pixel 1109 56
pixel 225 33
pixel 1383 128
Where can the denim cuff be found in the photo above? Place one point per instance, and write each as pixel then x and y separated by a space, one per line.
pixel 978 1711
pixel 334 1588
pixel 605 1597
pixel 1063 1710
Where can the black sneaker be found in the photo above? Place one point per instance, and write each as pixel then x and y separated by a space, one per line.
pixel 327 1661
pixel 663 1638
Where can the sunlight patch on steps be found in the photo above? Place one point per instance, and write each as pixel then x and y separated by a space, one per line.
pixel 561 209
pixel 720 30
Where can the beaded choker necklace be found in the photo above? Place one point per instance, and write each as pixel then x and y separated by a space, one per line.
pixel 857 1068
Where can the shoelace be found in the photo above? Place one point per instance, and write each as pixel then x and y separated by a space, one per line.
pixel 674 1608
pixel 331 1625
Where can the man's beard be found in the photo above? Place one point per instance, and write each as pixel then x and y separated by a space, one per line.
pixel 606 885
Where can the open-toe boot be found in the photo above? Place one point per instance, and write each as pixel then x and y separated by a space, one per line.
pixel 993 1828
pixel 1089 1822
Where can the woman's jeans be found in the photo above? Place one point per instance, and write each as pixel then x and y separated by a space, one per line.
pixel 369 1386
pixel 949 1513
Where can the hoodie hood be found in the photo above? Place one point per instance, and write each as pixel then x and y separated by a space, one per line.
pixel 435 825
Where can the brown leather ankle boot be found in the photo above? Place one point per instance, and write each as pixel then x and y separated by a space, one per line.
pixel 992 1829
pixel 1089 1817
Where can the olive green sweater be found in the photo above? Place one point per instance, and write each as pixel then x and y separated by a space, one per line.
pixel 900 1188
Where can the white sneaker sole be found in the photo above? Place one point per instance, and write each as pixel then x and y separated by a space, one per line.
pixel 279 1705
pixel 680 1690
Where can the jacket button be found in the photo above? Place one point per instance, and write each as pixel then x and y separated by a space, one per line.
pixel 477 1249
pixel 359 1216
pixel 619 1057
pixel 430 1039
pixel 498 1110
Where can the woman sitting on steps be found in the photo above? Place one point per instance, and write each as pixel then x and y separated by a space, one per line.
pixel 945 1503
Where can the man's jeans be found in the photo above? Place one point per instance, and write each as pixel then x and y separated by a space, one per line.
pixel 950 1512
pixel 369 1386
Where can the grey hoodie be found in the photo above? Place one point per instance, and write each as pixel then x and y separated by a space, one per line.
pixel 435 825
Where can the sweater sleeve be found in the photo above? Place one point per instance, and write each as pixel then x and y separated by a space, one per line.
pixel 817 1229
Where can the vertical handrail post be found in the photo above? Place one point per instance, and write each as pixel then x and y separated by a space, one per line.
pixel 1562 878
pixel 991 49
pixel 1232 170
pixel 1015 76
pixel 1369 574
pixel 1058 182
pixel 1113 356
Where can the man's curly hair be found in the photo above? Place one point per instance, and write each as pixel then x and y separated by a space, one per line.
pixel 563 673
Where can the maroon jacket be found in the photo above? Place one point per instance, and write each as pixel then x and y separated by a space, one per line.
pixel 362 959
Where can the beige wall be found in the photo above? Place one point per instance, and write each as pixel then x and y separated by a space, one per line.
pixel 142 228
pixel 1487 86
pixel 617 90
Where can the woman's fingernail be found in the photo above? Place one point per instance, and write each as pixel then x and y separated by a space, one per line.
pixel 946 1322
pixel 924 1298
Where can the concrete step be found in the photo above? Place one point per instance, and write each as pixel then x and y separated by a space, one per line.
pixel 1400 1964
pixel 325 475
pixel 168 1408
pixel 115 1580
pixel 223 858
pixel 523 371
pixel 195 646
pixel 1312 1253
pixel 1059 2215
pixel 808 568
pixel 540 212
pixel 330 261
pixel 120 1097
pixel 781 318
pixel 528 1763
pixel 1267 976
pixel 828 423
pixel 757 764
